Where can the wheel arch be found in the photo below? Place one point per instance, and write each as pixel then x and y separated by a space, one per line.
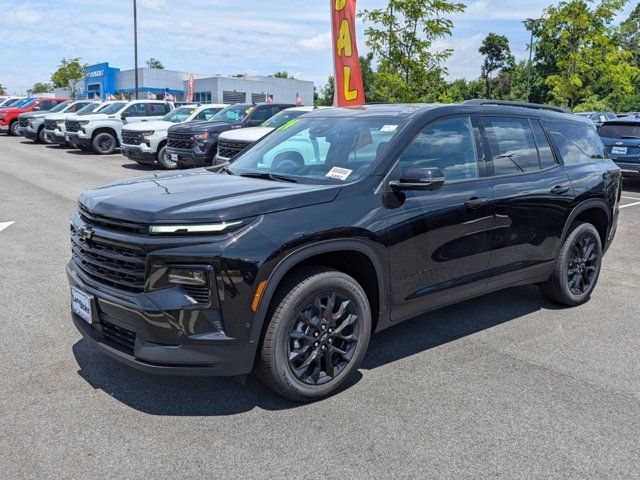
pixel 595 211
pixel 307 256
pixel 110 130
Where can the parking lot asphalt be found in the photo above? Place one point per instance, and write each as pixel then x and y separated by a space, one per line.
pixel 504 386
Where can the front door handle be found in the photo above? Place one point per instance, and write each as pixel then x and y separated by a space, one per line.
pixel 474 203
pixel 559 189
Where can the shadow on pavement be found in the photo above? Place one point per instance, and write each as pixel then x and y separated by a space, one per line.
pixel 631 184
pixel 183 396
pixel 139 166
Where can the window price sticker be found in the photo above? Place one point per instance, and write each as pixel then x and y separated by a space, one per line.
pixel 339 173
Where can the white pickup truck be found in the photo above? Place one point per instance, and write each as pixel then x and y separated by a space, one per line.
pixel 101 132
pixel 146 142
pixel 54 128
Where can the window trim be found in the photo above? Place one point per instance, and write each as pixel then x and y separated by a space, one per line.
pixel 480 152
pixel 489 153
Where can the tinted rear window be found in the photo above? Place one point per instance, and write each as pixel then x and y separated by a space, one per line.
pixel 620 130
pixel 578 143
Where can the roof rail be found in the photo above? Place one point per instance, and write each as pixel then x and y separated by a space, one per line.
pixel 509 103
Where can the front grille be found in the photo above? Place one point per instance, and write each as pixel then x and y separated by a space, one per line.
pixel 116 265
pixel 72 126
pixel 24 122
pixel 132 138
pixel 50 125
pixel 112 223
pixel 119 335
pixel 231 149
pixel 182 141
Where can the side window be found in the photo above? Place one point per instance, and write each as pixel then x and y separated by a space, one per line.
pixel 513 149
pixel 136 110
pixel 445 144
pixel 547 158
pixel 48 105
pixel 207 113
pixel 156 109
pixel 578 143
pixel 264 114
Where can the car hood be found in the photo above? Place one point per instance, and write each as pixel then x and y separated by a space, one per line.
pixel 195 127
pixel 60 116
pixel 251 134
pixel 200 196
pixel 146 126
pixel 98 116
pixel 33 115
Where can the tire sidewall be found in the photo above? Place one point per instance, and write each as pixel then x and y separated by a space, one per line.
pixel 324 282
pixel 564 258
pixel 163 162
pixel 96 142
pixel 41 137
pixel 13 129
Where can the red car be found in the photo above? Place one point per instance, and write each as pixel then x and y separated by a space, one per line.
pixel 9 116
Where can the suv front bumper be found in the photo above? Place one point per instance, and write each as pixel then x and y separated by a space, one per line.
pixel 157 347
pixel 55 136
pixel 189 158
pixel 135 152
pixel 79 139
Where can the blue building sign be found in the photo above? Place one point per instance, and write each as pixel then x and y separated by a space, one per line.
pixel 100 80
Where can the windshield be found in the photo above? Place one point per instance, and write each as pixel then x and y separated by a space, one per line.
pixel 60 107
pixel 87 109
pixel 12 102
pixel 283 117
pixel 319 150
pixel 620 130
pixel 113 108
pixel 27 103
pixel 179 114
pixel 233 114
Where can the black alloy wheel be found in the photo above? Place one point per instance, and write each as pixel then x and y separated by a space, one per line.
pixel 104 144
pixel 583 263
pixel 323 339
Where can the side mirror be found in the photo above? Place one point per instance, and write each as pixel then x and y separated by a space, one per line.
pixel 124 115
pixel 254 123
pixel 35 109
pixel 419 178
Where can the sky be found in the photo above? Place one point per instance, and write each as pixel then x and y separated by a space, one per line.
pixel 256 37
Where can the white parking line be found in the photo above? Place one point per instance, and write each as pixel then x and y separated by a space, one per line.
pixel 630 205
pixel 630 198
pixel 4 225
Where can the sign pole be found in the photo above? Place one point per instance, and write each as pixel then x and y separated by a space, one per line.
pixel 135 43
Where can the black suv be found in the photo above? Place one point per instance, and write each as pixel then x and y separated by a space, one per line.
pixel 194 144
pixel 338 224
pixel 622 139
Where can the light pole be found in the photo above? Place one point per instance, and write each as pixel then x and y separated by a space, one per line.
pixel 530 23
pixel 135 43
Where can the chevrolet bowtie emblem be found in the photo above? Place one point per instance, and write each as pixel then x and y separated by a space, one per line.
pixel 85 233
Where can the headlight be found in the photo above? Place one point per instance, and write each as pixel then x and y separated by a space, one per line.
pixel 188 276
pixel 33 120
pixel 201 136
pixel 148 133
pixel 2 115
pixel 197 228
pixel 84 122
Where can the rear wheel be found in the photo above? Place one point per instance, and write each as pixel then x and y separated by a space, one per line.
pixel 104 143
pixel 165 160
pixel 13 128
pixel 577 268
pixel 317 335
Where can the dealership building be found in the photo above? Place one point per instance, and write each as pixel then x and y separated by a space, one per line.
pixel 101 79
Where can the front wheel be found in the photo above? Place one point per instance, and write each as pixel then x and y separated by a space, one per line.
pixel 104 144
pixel 14 129
pixel 165 160
pixel 577 267
pixel 41 136
pixel 317 335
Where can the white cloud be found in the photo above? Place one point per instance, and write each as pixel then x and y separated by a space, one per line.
pixel 318 42
pixel 23 15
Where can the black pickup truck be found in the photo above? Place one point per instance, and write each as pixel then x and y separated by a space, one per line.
pixel 194 144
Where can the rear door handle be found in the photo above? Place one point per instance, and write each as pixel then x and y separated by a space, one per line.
pixel 559 189
pixel 475 203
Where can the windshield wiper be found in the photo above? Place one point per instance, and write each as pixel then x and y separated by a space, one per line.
pixel 634 137
pixel 269 176
pixel 510 157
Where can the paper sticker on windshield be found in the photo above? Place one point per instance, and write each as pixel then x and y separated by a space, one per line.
pixel 289 124
pixel 389 128
pixel 339 173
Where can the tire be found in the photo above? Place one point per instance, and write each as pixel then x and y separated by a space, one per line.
pixel 13 128
pixel 41 137
pixel 577 268
pixel 164 161
pixel 301 331
pixel 104 143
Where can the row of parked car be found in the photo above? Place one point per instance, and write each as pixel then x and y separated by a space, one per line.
pixel 195 135
pixel 147 131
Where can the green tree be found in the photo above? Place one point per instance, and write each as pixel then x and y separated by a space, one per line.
pixel 401 37
pixel 3 91
pixel 497 55
pixel 283 74
pixel 41 87
pixel 579 54
pixel 630 34
pixel 69 75
pixel 154 63
pixel 328 92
